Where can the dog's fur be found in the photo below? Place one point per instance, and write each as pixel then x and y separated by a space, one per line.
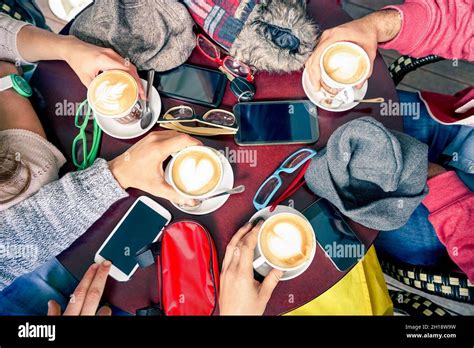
pixel 255 48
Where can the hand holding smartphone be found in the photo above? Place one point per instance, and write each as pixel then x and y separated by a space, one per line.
pixel 141 225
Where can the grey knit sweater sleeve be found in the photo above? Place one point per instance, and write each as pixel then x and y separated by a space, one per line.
pixel 9 29
pixel 42 226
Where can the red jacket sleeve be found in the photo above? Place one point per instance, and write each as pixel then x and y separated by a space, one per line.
pixel 451 207
pixel 441 27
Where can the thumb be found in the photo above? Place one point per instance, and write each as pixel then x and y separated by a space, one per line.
pixel 314 77
pixel 169 193
pixel 269 284
pixel 371 70
pixel 104 311
pixel 54 309
pixel 372 57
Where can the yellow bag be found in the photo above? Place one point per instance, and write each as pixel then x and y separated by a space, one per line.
pixel 362 291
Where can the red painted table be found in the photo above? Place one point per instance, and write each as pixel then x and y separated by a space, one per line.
pixel 56 83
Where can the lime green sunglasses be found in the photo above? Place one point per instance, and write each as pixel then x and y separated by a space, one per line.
pixel 83 115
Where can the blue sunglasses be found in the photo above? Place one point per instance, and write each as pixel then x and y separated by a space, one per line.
pixel 272 184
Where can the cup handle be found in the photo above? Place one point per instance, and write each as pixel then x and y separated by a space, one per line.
pixel 258 262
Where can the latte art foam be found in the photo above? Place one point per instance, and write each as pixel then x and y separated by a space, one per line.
pixel 113 93
pixel 108 96
pixel 196 172
pixel 344 64
pixel 286 240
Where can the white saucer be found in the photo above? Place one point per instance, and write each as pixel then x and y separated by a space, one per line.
pixel 67 14
pixel 316 97
pixel 133 130
pixel 265 213
pixel 212 204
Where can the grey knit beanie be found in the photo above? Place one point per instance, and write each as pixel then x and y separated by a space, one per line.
pixel 374 176
pixel 153 34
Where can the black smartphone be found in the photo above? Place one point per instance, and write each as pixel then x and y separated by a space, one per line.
pixel 334 235
pixel 193 84
pixel 276 122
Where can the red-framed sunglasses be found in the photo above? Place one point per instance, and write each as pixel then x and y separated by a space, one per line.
pixel 297 183
pixel 231 65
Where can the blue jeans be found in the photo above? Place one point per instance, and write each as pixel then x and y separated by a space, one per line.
pixel 30 293
pixel 416 242
pixel 461 154
pixel 452 146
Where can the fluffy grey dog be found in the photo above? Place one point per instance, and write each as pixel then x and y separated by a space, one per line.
pixel 278 36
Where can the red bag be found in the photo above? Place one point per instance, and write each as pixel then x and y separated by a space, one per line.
pixel 188 273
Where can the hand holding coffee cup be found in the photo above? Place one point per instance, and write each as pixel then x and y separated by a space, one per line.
pixel 114 94
pixel 240 293
pixel 366 32
pixel 343 65
pixel 141 166
pixel 88 60
pixel 358 32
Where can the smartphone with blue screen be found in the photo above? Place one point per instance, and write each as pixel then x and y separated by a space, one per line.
pixel 140 226
pixel 276 122
pixel 334 235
